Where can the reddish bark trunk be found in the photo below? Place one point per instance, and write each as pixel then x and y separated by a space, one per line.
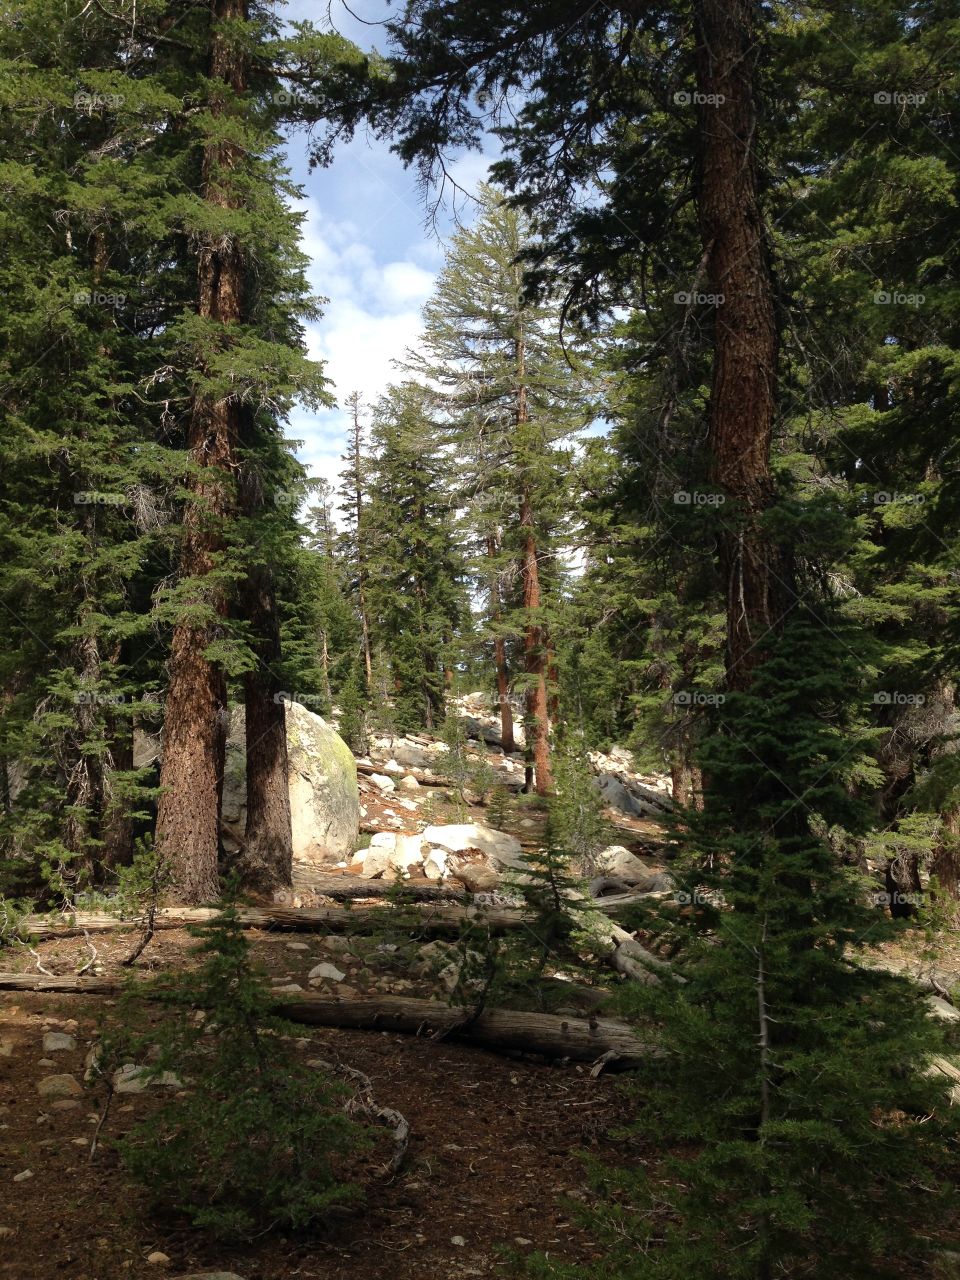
pixel 500 652
pixel 743 392
pixel 191 776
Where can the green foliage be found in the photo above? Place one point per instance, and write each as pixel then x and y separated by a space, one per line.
pixel 794 1095
pixel 252 1139
pixel 576 822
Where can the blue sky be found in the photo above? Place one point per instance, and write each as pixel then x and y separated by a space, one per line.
pixel 371 254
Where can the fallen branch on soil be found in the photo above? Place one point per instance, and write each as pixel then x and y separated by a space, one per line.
pixel 502 1030
pixel 364 1103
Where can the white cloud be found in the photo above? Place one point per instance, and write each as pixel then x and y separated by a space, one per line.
pixel 371 319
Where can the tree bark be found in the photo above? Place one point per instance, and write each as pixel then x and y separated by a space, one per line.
pixel 265 862
pixel 534 640
pixel 500 651
pixel 191 776
pixel 743 390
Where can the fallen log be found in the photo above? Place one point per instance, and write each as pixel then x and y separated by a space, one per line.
pixel 344 888
pixel 502 1030
pixel 430 779
pixel 616 945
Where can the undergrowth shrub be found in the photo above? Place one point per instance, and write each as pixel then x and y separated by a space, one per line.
pixel 251 1139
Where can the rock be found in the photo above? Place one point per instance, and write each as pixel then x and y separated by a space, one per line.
pixel 941 1008
pixel 658 882
pixel 289 988
pixel 382 781
pixel 329 971
pixel 632 798
pixel 376 860
pixel 458 1241
pixel 409 783
pixel 619 862
pixel 324 795
pixel 6 1047
pixel 297 946
pixel 65 1104
pixel 64 1086
pixel 58 1042
pixel 157 1259
pixel 23 1175
pixel 435 864
pixel 392 767
pixel 476 877
pixel 211 1275
pixel 458 837
pixel 383 840
pixel 7 1232
pixel 449 976
pixel 407 855
pixel 334 942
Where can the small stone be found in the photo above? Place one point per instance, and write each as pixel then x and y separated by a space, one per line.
pixel 46 1062
pixel 59 1042
pixel 458 1241
pixel 382 781
pixel 65 1104
pixel 409 783
pixel 6 1048
pixel 328 971
pixel 289 988
pixel 23 1176
pixel 521 1241
pixel 297 946
pixel 211 1275
pixel 157 1258
pixel 65 1086
pixel 6 1233
pixel 79 1142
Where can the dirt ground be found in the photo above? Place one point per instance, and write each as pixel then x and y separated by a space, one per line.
pixel 492 1161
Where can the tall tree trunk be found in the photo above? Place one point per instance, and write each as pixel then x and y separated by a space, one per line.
pixel 534 658
pixel 265 862
pixel 118 820
pixel 325 668
pixel 191 775
pixel 500 651
pixel 534 645
pixel 743 391
pixel 354 403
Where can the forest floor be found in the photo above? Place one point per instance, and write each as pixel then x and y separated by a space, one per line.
pixel 495 1163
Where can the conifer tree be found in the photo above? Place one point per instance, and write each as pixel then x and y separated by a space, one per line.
pixel 415 576
pixel 509 399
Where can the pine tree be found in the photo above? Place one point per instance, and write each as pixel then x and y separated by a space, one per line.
pixel 353 493
pixel 415 576
pixel 509 399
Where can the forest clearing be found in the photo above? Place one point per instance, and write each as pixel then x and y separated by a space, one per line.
pixel 479 633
